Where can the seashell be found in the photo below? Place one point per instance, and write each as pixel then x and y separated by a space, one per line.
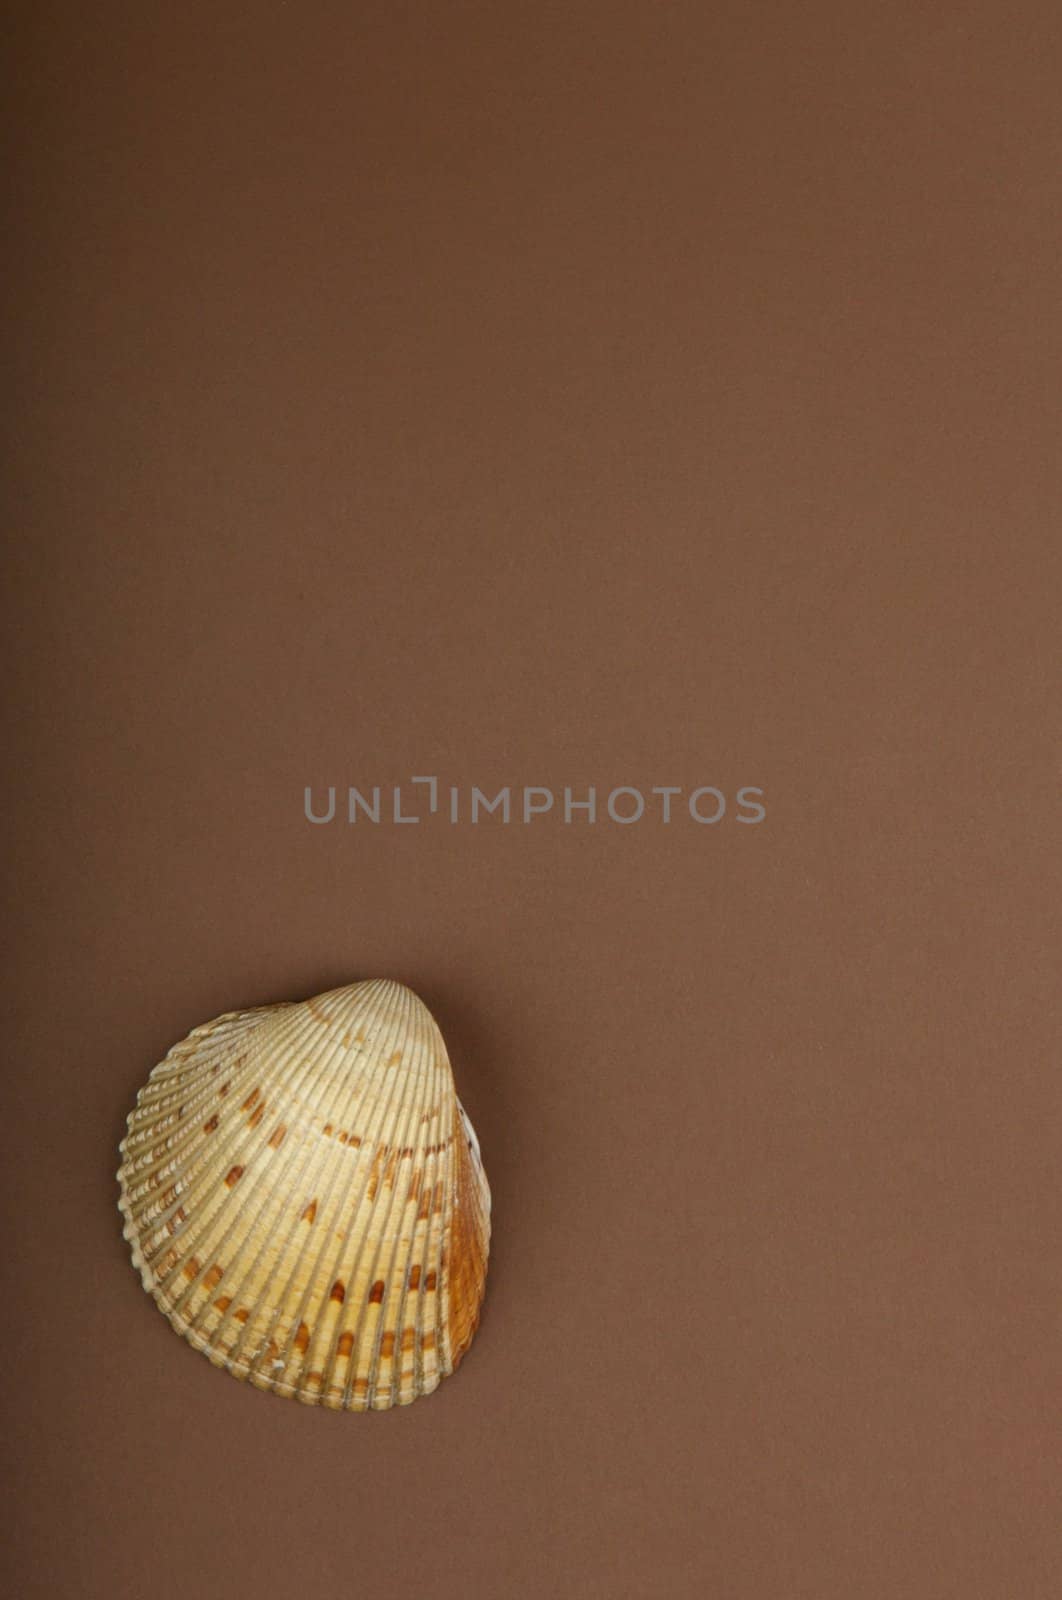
pixel 305 1199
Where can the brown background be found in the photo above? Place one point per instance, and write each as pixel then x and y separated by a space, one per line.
pixel 542 394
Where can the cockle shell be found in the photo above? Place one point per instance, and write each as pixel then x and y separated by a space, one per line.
pixel 305 1199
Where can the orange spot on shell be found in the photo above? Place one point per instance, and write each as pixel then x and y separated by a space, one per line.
pixel 302 1338
pixel 223 1302
pixel 387 1346
pixel 277 1137
pixel 310 1212
pixel 208 1127
pixel 213 1277
pixel 346 1344
pixel 233 1176
pixel 191 1267
pixel 376 1293
pixel 339 1293
pixel 374 1175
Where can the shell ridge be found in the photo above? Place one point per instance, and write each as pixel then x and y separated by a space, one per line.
pixel 314 1275
pixel 195 1069
pixel 420 1243
pixel 151 1179
pixel 398 1139
pixel 438 1067
pixel 201 1171
pixel 442 1079
pixel 430 1308
pixel 390 1110
pixel 142 1181
pixel 269 1197
pixel 446 1285
pixel 327 1108
pixel 183 1064
pixel 433 1248
pixel 219 1241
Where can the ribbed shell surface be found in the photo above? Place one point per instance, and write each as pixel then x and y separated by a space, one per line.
pixel 305 1200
